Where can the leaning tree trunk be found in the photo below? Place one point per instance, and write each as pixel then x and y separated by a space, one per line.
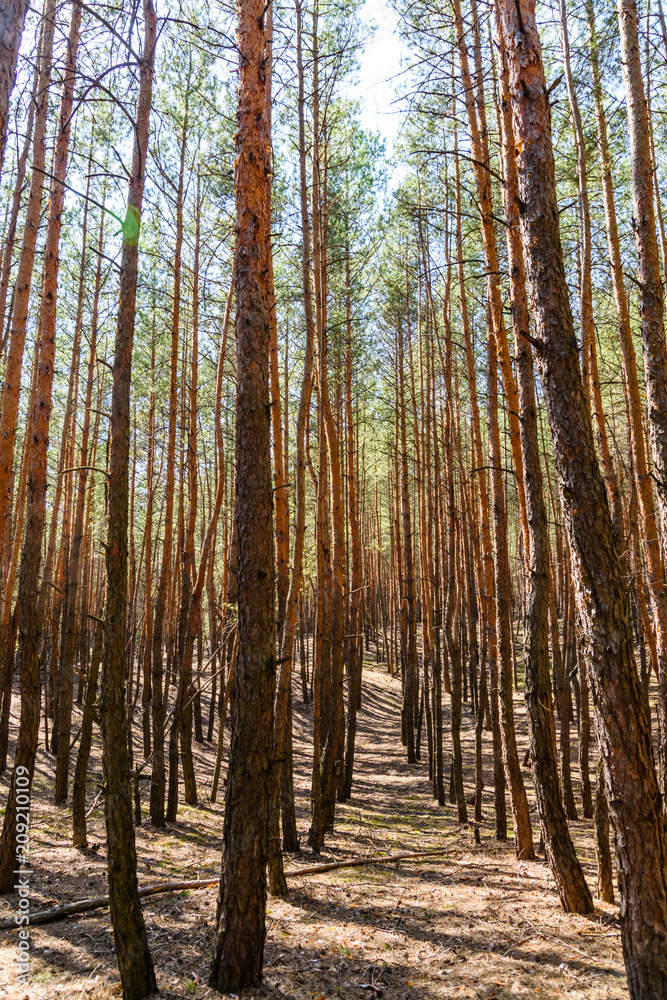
pixel 131 940
pixel 241 918
pixel 568 875
pixel 648 521
pixel 635 803
pixel 651 296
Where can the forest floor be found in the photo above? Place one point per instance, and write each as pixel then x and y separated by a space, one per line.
pixel 472 923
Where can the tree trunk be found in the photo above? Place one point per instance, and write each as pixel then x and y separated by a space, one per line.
pixel 562 698
pixel 588 331
pixel 410 691
pixel 473 92
pixel 485 558
pixel 602 851
pixel 642 475
pixel 12 21
pixel 134 958
pixel 602 602
pixel 161 597
pixel 181 725
pixel 29 624
pixel 568 875
pixel 523 833
pixel 241 930
pixel 10 236
pixel 354 655
pixel 79 837
pixel 12 381
pixel 48 321
pixel 9 621
pixel 284 699
pixel 146 688
pixel 651 297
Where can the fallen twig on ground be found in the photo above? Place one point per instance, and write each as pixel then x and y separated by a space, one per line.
pixel 52 913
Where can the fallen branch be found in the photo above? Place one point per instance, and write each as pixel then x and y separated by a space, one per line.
pixel 50 914
pixel 360 862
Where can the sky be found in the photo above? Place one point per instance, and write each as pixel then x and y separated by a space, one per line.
pixel 379 65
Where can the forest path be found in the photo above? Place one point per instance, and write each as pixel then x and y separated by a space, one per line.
pixel 473 923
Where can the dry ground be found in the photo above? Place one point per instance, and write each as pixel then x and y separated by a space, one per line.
pixel 473 923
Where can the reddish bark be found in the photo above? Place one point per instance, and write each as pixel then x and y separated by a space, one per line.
pixel 602 603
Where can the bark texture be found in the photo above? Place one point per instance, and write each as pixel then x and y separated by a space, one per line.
pixel 48 321
pixel 239 950
pixel 12 21
pixel 130 937
pixel 568 875
pixel 635 803
pixel 12 382
pixel 651 306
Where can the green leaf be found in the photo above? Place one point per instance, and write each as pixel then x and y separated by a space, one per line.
pixel 131 225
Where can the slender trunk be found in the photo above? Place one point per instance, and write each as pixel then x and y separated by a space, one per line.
pixel 181 725
pixel 562 699
pixel 12 383
pixel 10 238
pixel 9 621
pixel 584 739
pixel 477 127
pixel 30 626
pixel 277 882
pixel 49 296
pixel 158 708
pixel 12 22
pixel 284 701
pixel 355 659
pixel 79 837
pixel 588 332
pixel 280 484
pixel 485 559
pixel 146 690
pixel 332 747
pixel 522 829
pixel 453 643
pixel 130 937
pixel 602 850
pixel 408 602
